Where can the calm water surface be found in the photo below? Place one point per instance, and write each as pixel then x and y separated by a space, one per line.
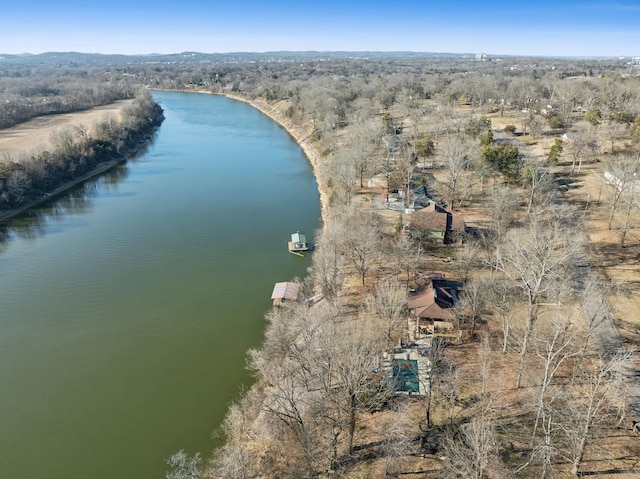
pixel 127 306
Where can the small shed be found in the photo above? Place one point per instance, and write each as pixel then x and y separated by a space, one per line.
pixel 286 291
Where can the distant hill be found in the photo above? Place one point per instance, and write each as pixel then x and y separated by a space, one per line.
pixel 75 59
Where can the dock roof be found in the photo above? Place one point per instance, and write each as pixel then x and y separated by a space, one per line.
pixel 285 290
pixel 298 237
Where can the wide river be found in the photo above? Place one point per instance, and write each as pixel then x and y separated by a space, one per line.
pixel 128 304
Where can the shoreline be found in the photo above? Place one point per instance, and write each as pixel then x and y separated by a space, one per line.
pixel 97 171
pixel 301 135
pixel 101 168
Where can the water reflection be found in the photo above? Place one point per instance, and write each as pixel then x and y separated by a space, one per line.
pixel 77 201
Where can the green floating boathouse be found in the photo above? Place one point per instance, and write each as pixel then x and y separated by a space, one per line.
pixel 298 243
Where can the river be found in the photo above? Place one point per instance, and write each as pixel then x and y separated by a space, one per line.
pixel 128 304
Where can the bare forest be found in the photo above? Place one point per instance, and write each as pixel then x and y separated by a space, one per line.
pixel 29 176
pixel 530 370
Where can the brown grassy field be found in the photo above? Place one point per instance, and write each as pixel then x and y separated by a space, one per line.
pixel 34 135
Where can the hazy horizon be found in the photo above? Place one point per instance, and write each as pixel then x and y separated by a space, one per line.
pixel 554 29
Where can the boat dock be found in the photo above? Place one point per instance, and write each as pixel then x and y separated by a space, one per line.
pixel 298 243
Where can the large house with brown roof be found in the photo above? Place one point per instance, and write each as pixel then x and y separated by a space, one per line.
pixel 433 301
pixel 437 225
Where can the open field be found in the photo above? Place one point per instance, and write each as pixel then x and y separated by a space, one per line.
pixel 35 135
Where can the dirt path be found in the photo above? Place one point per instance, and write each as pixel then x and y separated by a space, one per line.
pixel 34 135
pixel 606 334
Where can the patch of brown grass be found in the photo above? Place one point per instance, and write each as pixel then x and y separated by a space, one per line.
pixel 35 135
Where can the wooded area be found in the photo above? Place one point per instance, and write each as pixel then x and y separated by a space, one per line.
pixel 29 176
pixel 535 373
pixel 529 382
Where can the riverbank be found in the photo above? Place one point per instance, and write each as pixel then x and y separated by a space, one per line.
pixel 102 168
pixel 42 176
pixel 99 278
pixel 97 171
pixel 302 134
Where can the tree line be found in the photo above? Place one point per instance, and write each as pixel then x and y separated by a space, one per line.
pixel 49 92
pixel 26 178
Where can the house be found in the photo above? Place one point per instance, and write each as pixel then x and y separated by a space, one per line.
pixel 418 198
pixel 394 144
pixel 434 298
pixel 437 225
pixel 432 302
pixel 286 291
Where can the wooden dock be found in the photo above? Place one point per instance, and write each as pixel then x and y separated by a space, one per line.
pixel 292 250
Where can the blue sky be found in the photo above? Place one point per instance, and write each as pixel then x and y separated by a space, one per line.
pixel 560 28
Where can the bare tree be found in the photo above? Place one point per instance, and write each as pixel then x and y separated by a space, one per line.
pixel 365 136
pixel 624 171
pixel 457 155
pixel 234 460
pixel 328 267
pixel 17 186
pixel 504 202
pixel 285 366
pixel 397 435
pixel 341 174
pixel 567 93
pixel 553 351
pixel 287 401
pixel 500 294
pixel 184 466
pixel 389 305
pixel 484 363
pixel 593 387
pixel 580 144
pixel 468 256
pixel 347 363
pixel 405 256
pixel 470 303
pixel 437 368
pixel 535 259
pixel 616 131
pixel 540 183
pixel 361 241
pixel 470 448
